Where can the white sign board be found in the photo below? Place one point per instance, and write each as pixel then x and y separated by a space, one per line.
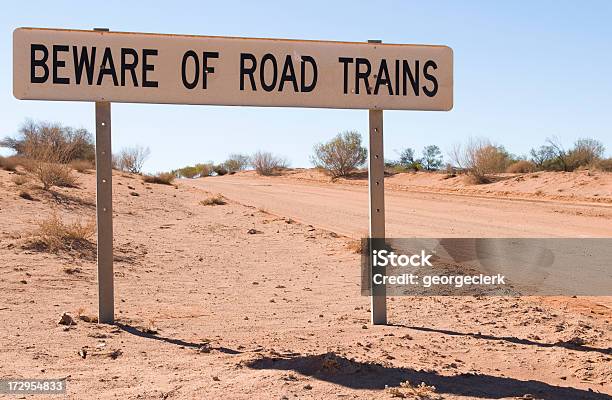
pixel 56 64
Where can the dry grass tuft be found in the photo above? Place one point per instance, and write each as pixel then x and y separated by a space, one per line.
pixel 10 163
pixel 72 271
pixel 215 200
pixel 474 179
pixel 20 180
pixel 355 246
pixel 163 178
pixel 51 174
pixel 420 392
pixel 521 167
pixel 54 235
pixel 82 166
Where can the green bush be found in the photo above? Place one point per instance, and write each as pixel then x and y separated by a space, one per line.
pixel 432 158
pixel 195 171
pixel 236 162
pixel 341 155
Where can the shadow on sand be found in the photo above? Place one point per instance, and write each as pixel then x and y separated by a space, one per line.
pixel 512 339
pixel 178 342
pixel 357 375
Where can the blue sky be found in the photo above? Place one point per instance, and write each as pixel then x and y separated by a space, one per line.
pixel 524 71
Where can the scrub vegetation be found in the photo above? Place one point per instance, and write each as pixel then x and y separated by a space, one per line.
pixel 214 200
pixel 341 155
pixel 55 235
pixel 162 178
pixel 131 159
pixel 266 163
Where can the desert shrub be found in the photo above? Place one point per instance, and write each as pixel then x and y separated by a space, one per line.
pixel 432 158
pixel 195 171
pixel 490 160
pixel 51 174
pixel 131 159
pixel 449 171
pixel 554 157
pixel 189 172
pixel 586 152
pixel 82 166
pixel 10 163
pixel 55 235
pixel 393 167
pixel 215 200
pixel 236 162
pixel 162 178
pixel 550 156
pixel 480 158
pixel 46 150
pixel 205 169
pixel 604 164
pixel 266 163
pixel 20 180
pixel 408 161
pixel 220 170
pixel 521 167
pixel 37 139
pixel 341 155
pixel 545 158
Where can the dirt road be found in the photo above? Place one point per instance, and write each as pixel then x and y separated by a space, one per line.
pixel 344 209
pixel 229 302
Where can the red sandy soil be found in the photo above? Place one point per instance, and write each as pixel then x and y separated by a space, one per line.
pixel 427 205
pixel 206 309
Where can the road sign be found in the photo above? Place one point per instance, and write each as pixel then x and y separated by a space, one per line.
pixel 57 64
pixel 103 67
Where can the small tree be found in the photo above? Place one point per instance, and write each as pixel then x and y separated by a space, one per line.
pixel 408 161
pixel 132 159
pixel 341 155
pixel 559 154
pixel 586 152
pixel 542 157
pixel 407 157
pixel 236 162
pixel 432 158
pixel 266 163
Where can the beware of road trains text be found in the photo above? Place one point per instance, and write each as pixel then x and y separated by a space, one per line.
pixel 56 64
pixel 135 68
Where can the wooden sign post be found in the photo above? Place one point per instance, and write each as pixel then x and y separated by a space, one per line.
pixel 103 67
